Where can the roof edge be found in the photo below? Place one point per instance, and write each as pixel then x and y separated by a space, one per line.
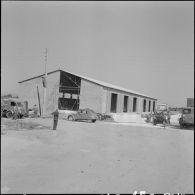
pixel 133 93
pixel 39 76
pixel 93 81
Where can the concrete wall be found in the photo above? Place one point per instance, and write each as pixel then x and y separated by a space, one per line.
pixel 52 92
pixel 120 101
pixel 108 100
pixel 139 104
pixel 104 100
pixel 130 104
pixel 28 91
pixel 147 105
pixel 91 96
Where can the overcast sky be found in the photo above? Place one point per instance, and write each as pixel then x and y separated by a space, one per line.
pixel 144 46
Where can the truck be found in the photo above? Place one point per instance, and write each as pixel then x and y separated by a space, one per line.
pixel 14 107
pixel 187 117
pixel 159 116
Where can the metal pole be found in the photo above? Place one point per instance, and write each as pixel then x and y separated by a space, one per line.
pixel 39 100
pixel 45 88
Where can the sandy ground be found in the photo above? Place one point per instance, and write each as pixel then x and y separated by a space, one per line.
pixel 99 157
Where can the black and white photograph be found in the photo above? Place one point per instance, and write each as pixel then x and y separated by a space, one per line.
pixel 97 97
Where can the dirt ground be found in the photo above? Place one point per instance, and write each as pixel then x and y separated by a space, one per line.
pixel 101 157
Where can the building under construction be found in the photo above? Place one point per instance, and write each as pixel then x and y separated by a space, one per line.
pixel 69 91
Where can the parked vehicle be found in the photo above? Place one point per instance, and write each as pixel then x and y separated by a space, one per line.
pixel 101 116
pixel 83 114
pixel 160 118
pixel 13 107
pixel 187 117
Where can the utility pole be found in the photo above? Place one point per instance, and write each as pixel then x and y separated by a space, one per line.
pixel 45 87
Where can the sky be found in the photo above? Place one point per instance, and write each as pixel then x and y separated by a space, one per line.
pixel 146 46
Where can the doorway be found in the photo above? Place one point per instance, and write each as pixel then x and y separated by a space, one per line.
pixel 153 106
pixel 125 106
pixel 134 104
pixel 149 106
pixel 144 106
pixel 113 102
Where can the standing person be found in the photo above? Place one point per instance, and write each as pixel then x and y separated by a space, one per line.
pixel 165 118
pixel 15 112
pixel 169 117
pixel 35 110
pixel 55 119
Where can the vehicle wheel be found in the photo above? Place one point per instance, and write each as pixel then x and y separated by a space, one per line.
pixel 70 118
pixel 8 114
pixel 93 120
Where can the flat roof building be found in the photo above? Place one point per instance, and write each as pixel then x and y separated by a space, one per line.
pixel 70 91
